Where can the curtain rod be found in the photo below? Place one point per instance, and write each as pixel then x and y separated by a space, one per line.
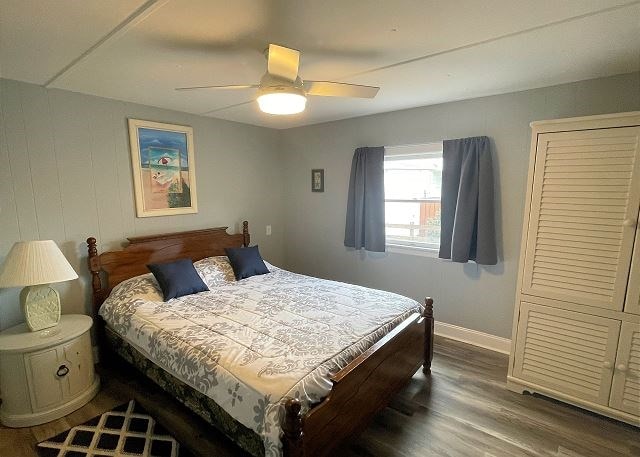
pixel 413 144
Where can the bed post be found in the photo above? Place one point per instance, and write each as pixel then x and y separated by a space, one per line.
pixel 292 428
pixel 428 334
pixel 245 234
pixel 97 297
pixel 94 268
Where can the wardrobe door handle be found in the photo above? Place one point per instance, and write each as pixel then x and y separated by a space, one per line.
pixel 622 367
pixel 629 223
pixel 607 364
pixel 63 370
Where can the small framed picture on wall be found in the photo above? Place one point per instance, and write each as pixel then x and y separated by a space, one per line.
pixel 317 180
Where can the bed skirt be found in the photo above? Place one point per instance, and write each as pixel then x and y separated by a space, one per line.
pixel 197 402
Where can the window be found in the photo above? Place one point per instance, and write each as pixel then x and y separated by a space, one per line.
pixel 412 185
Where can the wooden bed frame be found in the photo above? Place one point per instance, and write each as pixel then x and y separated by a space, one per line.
pixel 360 390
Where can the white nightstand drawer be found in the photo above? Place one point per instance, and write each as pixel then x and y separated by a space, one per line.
pixel 61 373
pixel 48 374
pixel 45 389
pixel 77 356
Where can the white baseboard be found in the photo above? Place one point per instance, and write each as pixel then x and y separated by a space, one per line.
pixel 466 335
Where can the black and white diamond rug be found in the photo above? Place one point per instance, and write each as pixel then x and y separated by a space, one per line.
pixel 127 430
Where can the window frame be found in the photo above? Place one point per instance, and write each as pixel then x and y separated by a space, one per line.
pixel 427 150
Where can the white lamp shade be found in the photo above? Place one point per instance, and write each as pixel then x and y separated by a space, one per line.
pixel 35 262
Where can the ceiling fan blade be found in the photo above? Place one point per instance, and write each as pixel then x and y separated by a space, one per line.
pixel 283 62
pixel 237 86
pixel 334 89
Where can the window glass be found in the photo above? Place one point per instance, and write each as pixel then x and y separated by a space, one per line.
pixel 412 185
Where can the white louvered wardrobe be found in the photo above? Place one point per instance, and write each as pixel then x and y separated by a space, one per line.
pixel 576 328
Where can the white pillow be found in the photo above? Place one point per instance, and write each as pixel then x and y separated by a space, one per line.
pixel 215 271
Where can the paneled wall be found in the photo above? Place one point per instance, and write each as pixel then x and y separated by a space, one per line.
pixel 467 295
pixel 65 174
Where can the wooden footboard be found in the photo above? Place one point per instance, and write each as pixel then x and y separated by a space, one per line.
pixel 361 389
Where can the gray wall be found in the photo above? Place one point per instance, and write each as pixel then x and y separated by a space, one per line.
pixel 65 174
pixel 468 295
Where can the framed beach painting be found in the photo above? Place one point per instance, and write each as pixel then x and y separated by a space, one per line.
pixel 164 174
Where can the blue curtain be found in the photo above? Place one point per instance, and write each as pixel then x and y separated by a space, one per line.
pixel 467 214
pixel 364 227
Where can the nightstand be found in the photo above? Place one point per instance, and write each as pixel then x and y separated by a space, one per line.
pixel 47 374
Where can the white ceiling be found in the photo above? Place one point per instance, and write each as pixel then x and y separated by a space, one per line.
pixel 419 52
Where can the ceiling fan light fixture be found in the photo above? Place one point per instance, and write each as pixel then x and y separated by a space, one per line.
pixel 282 100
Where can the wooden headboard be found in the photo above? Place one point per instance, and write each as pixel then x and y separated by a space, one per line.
pixel 116 266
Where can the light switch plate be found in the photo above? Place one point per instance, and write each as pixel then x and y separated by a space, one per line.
pixel 268 230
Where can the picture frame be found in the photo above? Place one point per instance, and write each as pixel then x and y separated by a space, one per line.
pixel 164 168
pixel 317 180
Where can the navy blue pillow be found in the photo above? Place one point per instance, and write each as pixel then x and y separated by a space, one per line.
pixel 246 262
pixel 177 278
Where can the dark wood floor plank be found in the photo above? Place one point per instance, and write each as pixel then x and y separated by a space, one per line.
pixel 463 409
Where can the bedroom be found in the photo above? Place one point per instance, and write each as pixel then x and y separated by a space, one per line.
pixel 74 73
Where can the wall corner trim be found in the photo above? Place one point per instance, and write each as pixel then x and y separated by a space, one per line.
pixel 474 337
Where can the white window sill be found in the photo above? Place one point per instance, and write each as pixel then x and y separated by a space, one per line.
pixel 412 250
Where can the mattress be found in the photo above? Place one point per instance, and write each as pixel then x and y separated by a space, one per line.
pixel 249 344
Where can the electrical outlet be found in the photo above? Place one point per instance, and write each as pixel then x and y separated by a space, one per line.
pixel 268 230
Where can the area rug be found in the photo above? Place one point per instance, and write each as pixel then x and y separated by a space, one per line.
pixel 127 430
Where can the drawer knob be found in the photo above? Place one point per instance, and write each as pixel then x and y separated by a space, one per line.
pixel 622 367
pixel 63 370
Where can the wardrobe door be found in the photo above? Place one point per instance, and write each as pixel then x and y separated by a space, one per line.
pixel 568 352
pixel 625 391
pixel 584 209
pixel 632 304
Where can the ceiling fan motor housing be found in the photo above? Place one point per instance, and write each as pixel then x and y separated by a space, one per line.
pixel 280 96
pixel 272 84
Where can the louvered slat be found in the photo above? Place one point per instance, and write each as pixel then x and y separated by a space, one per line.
pixel 604 222
pixel 593 218
pixel 583 192
pixel 577 167
pixel 604 254
pixel 606 194
pixel 543 335
pixel 553 256
pixel 597 139
pixel 602 159
pixel 566 351
pixel 602 243
pixel 595 292
pixel 578 267
pixel 579 227
pixel 625 389
pixel 594 242
pixel 589 151
pixel 561 362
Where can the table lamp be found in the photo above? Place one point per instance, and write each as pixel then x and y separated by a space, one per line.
pixel 36 264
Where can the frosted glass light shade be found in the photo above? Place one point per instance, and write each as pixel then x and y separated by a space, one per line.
pixel 282 103
pixel 35 262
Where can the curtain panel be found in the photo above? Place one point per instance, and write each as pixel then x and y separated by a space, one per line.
pixel 364 228
pixel 467 208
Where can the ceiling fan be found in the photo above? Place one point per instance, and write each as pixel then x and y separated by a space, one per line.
pixel 282 91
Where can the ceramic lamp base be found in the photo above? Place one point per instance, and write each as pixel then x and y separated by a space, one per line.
pixel 40 306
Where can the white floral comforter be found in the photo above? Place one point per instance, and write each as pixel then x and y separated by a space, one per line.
pixel 248 344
